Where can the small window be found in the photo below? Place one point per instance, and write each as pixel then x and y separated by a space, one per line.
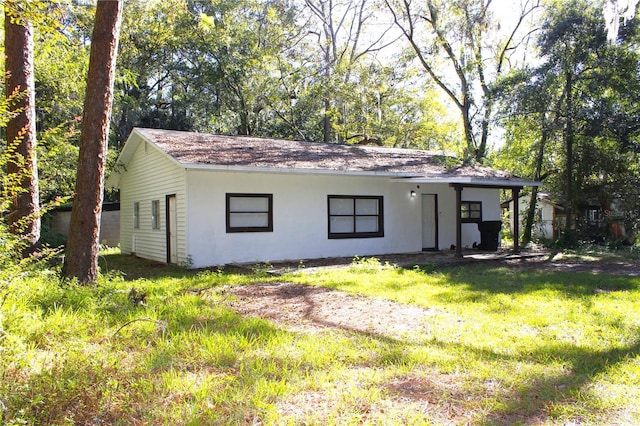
pixel 471 211
pixel 355 217
pixel 155 214
pixel 136 215
pixel 249 212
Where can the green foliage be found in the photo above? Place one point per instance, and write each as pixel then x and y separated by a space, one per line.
pixel 13 264
pixel 253 68
pixel 369 264
pixel 61 56
pixel 602 81
pixel 379 104
pixel 57 162
pixel 61 66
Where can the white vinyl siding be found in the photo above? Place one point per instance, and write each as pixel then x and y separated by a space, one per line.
pixel 151 175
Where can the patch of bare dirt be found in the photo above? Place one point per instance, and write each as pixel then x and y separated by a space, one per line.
pixel 308 308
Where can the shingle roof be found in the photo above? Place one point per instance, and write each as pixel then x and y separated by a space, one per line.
pixel 200 149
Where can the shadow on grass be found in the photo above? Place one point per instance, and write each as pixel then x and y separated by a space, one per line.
pixel 545 396
pixel 133 268
pixel 506 279
pixel 549 396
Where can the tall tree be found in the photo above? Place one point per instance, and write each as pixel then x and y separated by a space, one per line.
pixel 583 95
pixel 61 64
pixel 24 217
pixel 571 42
pixel 149 89
pixel 241 44
pixel 531 102
pixel 81 260
pixel 458 45
pixel 343 39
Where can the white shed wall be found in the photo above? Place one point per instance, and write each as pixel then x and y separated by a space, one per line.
pixel 151 175
pixel 490 199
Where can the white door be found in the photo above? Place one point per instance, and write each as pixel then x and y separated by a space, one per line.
pixel 429 222
pixel 172 226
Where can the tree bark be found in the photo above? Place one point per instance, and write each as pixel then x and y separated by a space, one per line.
pixel 569 151
pixel 81 260
pixel 24 212
pixel 533 200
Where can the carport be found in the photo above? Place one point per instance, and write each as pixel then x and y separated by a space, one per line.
pixel 459 183
pixel 515 192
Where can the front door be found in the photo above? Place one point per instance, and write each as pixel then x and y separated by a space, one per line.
pixel 429 222
pixel 172 225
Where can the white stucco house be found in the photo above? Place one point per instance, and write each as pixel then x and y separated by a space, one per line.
pixel 205 200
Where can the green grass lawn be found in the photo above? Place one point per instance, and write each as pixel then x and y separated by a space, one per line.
pixel 503 345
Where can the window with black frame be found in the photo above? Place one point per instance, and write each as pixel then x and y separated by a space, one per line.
pixel 471 211
pixel 136 215
pixel 249 212
pixel 155 214
pixel 355 216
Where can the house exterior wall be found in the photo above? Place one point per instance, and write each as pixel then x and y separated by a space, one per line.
pixel 300 216
pixel 490 199
pixel 151 175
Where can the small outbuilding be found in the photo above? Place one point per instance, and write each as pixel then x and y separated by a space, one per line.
pixel 204 200
pixel 59 219
pixel 548 220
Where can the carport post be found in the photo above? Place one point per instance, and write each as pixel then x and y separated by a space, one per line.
pixel 515 194
pixel 458 189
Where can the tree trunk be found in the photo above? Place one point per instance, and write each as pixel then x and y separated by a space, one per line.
pixel 326 122
pixel 471 151
pixel 81 259
pixel 569 150
pixel 528 225
pixel 24 213
pixel 530 218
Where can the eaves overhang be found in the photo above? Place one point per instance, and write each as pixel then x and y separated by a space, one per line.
pixel 295 171
pixel 473 181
